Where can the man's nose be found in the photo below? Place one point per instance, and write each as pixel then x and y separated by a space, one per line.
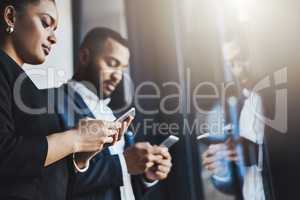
pixel 116 75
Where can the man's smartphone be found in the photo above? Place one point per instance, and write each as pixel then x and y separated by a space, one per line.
pixel 203 136
pixel 170 141
pixel 129 113
pixel 209 138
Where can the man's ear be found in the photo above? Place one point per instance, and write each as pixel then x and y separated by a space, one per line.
pixel 84 56
pixel 10 16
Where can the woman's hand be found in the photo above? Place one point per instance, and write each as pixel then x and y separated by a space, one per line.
pixel 89 137
pixel 123 128
pixel 93 134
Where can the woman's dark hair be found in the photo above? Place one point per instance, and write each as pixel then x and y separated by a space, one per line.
pixel 19 5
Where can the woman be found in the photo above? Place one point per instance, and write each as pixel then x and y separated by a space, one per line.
pixel 32 151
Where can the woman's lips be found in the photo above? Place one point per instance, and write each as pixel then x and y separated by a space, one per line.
pixel 46 50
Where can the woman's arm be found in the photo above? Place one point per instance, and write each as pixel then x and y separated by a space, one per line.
pixel 63 144
pixel 27 156
pixel 59 146
pixel 19 155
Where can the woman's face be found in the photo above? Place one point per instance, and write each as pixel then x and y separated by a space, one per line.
pixel 34 35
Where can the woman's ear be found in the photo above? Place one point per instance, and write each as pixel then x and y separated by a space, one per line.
pixel 10 16
pixel 84 56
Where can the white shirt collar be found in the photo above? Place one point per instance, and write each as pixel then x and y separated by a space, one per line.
pixel 84 92
pixel 246 92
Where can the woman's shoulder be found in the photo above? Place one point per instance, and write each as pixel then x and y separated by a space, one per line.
pixel 9 69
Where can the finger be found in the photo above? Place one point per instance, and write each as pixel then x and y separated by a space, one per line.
pixel 109 132
pixel 161 152
pixel 204 155
pixel 129 120
pixel 165 163
pixel 232 156
pixel 160 175
pixel 143 148
pixel 112 125
pixel 163 169
pixel 115 139
pixel 122 130
pixel 108 140
pixel 212 150
pixel 120 135
pixel 124 125
pixel 158 158
pixel 231 153
pixel 143 145
pixel 228 141
pixel 210 160
pixel 148 165
pixel 158 150
pixel 165 153
pixel 152 158
pixel 208 154
pixel 231 146
pixel 211 167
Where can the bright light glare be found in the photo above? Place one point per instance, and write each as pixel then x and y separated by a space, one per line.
pixel 244 9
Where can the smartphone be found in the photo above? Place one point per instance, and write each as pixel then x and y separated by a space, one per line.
pixel 203 136
pixel 214 138
pixel 170 141
pixel 129 113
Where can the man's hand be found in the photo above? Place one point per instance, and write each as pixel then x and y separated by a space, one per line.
pixel 141 157
pixel 218 152
pixel 162 167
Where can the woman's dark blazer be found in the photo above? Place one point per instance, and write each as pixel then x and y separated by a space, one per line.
pixel 24 124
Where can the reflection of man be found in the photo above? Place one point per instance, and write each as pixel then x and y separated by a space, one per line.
pixel 251 132
pixel 113 174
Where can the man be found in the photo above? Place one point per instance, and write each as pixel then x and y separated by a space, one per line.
pixel 245 147
pixel 112 174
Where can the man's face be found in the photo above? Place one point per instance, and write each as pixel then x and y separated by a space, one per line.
pixel 237 70
pixel 110 64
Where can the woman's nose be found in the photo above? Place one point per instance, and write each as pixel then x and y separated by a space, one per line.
pixel 52 38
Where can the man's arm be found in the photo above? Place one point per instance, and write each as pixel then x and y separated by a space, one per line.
pixel 104 172
pixel 217 158
pixel 224 184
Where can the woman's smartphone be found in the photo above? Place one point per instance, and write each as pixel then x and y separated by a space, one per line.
pixel 129 113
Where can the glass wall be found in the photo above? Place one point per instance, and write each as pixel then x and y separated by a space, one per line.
pixel 220 75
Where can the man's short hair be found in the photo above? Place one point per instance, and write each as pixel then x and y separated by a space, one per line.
pixel 96 38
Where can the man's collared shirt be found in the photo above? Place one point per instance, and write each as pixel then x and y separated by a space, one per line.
pixel 100 109
pixel 251 127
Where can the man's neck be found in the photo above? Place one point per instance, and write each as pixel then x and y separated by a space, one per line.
pixel 90 85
